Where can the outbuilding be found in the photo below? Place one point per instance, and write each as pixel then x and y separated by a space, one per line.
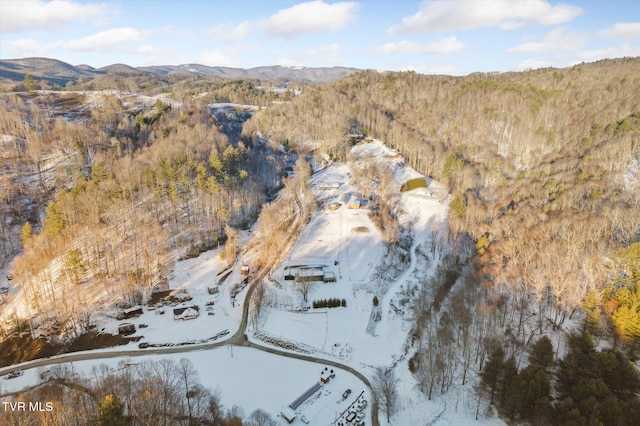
pixel 310 273
pixel 288 414
pixel 185 313
pixel 132 312
pixel 126 328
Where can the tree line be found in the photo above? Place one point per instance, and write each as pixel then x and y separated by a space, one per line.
pixel 155 393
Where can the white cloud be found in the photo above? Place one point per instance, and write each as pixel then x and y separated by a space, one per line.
pixel 107 40
pixel 534 63
pixel 329 50
pixel 28 47
pixel 610 52
pixel 554 40
pixel 622 30
pixel 17 15
pixel 227 33
pixel 445 45
pixel 312 17
pixel 452 15
pixel 177 31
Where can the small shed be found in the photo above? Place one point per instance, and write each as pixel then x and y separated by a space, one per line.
pixel 244 270
pixel 354 202
pixel 126 328
pixel 334 206
pixel 288 414
pixel 132 312
pixel 213 290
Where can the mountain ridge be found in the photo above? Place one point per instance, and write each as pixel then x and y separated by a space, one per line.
pixel 60 73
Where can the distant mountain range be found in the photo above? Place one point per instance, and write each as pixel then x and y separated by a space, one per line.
pixel 58 72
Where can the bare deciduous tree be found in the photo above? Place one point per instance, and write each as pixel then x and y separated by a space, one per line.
pixel 384 386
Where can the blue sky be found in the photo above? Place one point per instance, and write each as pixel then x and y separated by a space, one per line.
pixel 441 37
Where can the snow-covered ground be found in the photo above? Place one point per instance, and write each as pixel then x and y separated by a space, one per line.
pixel 346 242
pixel 341 241
pixel 195 276
pixel 250 379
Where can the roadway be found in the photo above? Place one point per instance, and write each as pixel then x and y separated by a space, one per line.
pixel 237 339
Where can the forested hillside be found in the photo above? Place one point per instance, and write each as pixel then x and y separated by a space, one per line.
pixel 126 184
pixel 542 165
pixel 102 191
pixel 542 168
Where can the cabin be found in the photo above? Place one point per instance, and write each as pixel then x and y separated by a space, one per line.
pixel 132 312
pixel 244 270
pixel 186 313
pixel 126 328
pixel 213 290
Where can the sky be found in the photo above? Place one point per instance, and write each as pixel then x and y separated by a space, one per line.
pixel 431 37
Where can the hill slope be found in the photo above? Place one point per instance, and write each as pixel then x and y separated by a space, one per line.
pixel 60 73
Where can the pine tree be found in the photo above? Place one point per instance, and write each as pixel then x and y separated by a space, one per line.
pixel 30 83
pixel 26 234
pixel 493 369
pixel 534 389
pixel 111 412
pixel 54 222
pixel 542 353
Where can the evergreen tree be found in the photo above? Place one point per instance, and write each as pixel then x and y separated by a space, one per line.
pixel 26 233
pixel 541 353
pixel 493 369
pixel 54 222
pixel 533 394
pixel 30 83
pixel 509 373
pixel 111 412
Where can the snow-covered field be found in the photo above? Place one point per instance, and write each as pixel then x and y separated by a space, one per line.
pixel 346 242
